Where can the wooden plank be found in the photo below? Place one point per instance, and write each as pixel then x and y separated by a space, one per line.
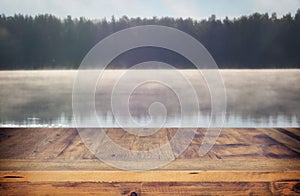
pixel 243 161
pixel 283 139
pixel 42 144
pixel 65 144
pixel 144 189
pixel 295 131
pixel 69 188
pixel 62 149
pixel 148 176
pixel 179 164
pixel 206 188
pixel 237 164
pixel 291 187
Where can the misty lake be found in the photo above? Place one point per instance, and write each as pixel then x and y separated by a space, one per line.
pixel 255 98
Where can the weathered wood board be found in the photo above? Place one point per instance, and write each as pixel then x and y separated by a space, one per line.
pixel 37 161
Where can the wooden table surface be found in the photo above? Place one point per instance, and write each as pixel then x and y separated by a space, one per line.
pixel 46 161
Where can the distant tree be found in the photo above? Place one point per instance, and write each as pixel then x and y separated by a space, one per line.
pixel 254 41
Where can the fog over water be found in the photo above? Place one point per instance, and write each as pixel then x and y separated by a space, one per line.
pixel 255 98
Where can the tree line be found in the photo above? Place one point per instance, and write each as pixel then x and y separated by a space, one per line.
pixel 46 41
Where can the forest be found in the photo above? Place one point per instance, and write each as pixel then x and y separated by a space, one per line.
pixel 49 42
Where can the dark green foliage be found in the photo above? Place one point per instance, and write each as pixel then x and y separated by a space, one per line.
pixel 45 41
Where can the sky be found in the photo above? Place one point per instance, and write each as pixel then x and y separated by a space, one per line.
pixel 197 9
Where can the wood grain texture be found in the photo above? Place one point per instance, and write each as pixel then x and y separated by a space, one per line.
pixel 206 188
pixel 66 145
pixel 70 188
pixel 147 176
pixel 144 189
pixel 150 188
pixel 291 187
pixel 179 164
pixel 284 139
pixel 242 162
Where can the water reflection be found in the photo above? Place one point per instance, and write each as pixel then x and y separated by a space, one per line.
pixel 255 98
pixel 108 120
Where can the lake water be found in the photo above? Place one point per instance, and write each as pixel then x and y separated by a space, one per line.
pixel 255 98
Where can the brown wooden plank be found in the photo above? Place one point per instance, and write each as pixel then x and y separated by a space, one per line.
pixel 69 188
pixel 243 161
pixel 43 144
pixel 179 164
pixel 62 149
pixel 205 188
pixel 144 189
pixel 295 131
pixel 291 187
pixel 49 144
pixel 283 139
pixel 148 176
pixel 290 132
